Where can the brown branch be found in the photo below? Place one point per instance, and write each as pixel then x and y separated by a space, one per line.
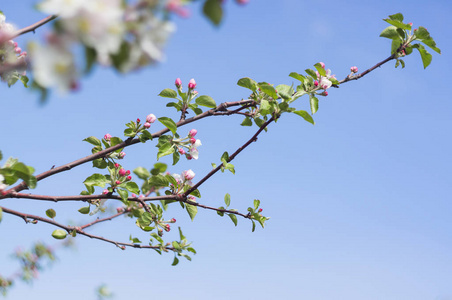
pixel 211 173
pixel 105 219
pixel 356 77
pixel 34 26
pixel 78 230
pixel 181 198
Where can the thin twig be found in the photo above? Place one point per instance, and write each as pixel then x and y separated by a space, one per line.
pixel 34 26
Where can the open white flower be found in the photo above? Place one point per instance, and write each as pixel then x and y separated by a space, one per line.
pixel 2 185
pixel 194 149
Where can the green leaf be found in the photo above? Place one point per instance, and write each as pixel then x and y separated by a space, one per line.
pixel 93 140
pixel 96 180
pixel 158 181
pixel 247 122
pixel 196 193
pixel 225 158
pixel 90 58
pixel 254 226
pixel 145 136
pixel 168 93
pixel 220 213
pixel 311 73
pixel 182 237
pixel 192 210
pixel 168 123
pixel 297 76
pixel 51 213
pixel 129 132
pixel 132 187
pixel 319 69
pixel 426 57
pixel 124 194
pixel 1 214
pixel 206 101
pixel 213 11
pixel 120 57
pixel 314 104
pixel 256 203
pixel 142 173
pixel 99 163
pixel 160 168
pixel 227 199
pixel 424 36
pixel 285 91
pixel 305 115
pixel 1 155
pixel 24 79
pixel 59 234
pixel 390 32
pixel 396 17
pixel 268 89
pixel 84 210
pixel 175 261
pixel 398 24
pixel 264 108
pixel 395 46
pixel 247 83
pixel 230 167
pixel 233 218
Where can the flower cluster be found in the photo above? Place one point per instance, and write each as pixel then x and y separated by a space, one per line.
pixel 122 175
pixel 12 58
pixel 104 27
pixel 183 180
pixel 324 81
pixel 190 143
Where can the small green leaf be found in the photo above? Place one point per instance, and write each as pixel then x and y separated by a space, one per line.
pixel 426 57
pixel 305 115
pixel 390 32
pixel 142 173
pixel 297 76
pixel 268 89
pixel 158 181
pixel 1 214
pixel 168 93
pixel 132 187
pixel 314 104
pixel 182 237
pixel 99 163
pixel 396 17
pixel 319 69
pixel 206 101
pixel 311 73
pixel 227 199
pixel 233 218
pixel 59 234
pixel 168 123
pixel 96 180
pixel 213 10
pixel 84 210
pixel 247 122
pixel 264 108
pixel 123 194
pixel 51 213
pixel 256 203
pixel 93 140
pixel 192 210
pixel 175 261
pixel 247 83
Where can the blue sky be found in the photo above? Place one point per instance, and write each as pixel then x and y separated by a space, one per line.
pixel 359 203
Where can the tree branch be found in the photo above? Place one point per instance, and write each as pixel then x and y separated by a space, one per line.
pixel 34 26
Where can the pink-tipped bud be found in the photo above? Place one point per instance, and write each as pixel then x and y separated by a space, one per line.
pixel 403 53
pixel 354 69
pixel 181 151
pixel 325 93
pixel 119 209
pixel 411 24
pixel 17 50
pixel 191 198
pixel 178 83
pixel 188 175
pixel 122 172
pixel 105 192
pixel 23 54
pixel 173 220
pixel 192 84
pixel 116 165
pixel 138 120
pixel 260 210
pixel 129 177
pixel 415 29
pixel 118 182
pixel 188 156
pixel 147 125
pixel 107 137
pixel 122 154
pixel 316 83
pixel 192 140
pixel 322 64
pixel 192 133
pixel 134 195
pixel 151 118
pixel 167 227
pixel 128 172
pixel 15 44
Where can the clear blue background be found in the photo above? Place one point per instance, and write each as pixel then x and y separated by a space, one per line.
pixel 360 203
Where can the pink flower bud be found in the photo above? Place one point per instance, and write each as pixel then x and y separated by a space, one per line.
pixel 151 118
pixel 403 53
pixel 192 133
pixel 181 151
pixel 129 177
pixel 134 195
pixel 15 44
pixel 260 210
pixel 192 84
pixel 105 192
pixel 191 198
pixel 116 165
pixel 188 156
pixel 411 24
pixel 17 50
pixel 178 82
pixel 122 154
pixel 316 83
pixel 118 182
pixel 322 64
pixel 128 172
pixel 119 209
pixel 188 175
pixel 415 29
pixel 138 120
pixel 354 69
pixel 167 227
pixel 173 220
pixel 147 125
pixel 192 140
pixel 107 137
pixel 23 54
pixel 325 93
pixel 122 172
